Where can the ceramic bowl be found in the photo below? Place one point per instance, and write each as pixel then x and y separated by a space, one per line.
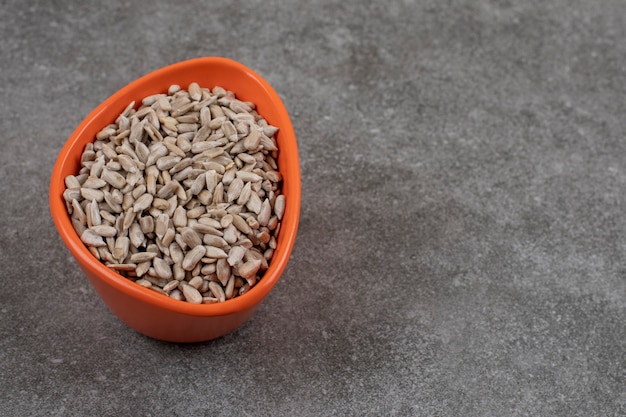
pixel 144 310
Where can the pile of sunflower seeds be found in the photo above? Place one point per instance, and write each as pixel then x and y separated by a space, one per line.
pixel 182 195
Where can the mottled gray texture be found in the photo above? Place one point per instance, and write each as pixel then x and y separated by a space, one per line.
pixel 462 241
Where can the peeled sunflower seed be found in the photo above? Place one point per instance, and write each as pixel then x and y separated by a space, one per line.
pixel 104 231
pixel 116 179
pixel 192 257
pixel 91 238
pixel 279 206
pixel 92 194
pixel 190 237
pixel 235 186
pixel 249 268
pixel 140 257
pixel 218 291
pixel 192 295
pixel 142 203
pixel 213 252
pixel 162 268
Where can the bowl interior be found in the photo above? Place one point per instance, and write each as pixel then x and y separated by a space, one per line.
pixel 208 72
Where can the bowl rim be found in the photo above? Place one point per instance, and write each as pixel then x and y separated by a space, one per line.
pixel 289 223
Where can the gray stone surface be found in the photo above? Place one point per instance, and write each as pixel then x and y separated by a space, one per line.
pixel 461 249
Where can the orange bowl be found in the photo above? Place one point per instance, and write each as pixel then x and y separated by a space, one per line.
pixel 142 309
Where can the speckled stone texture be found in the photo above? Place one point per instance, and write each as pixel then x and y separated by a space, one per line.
pixel 462 241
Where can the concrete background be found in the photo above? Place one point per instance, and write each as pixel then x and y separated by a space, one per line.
pixel 462 242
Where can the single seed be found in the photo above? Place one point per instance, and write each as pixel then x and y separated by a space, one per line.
pixel 138 191
pixel 209 222
pixel 191 117
pixel 226 220
pixel 230 234
pixel 162 268
pixel 272 223
pixel 92 194
pixel 168 237
pixel 191 294
pixel 196 282
pixel 264 236
pixel 127 201
pixel 234 190
pixel 157 151
pixel 235 255
pixel 248 176
pixel 179 218
pixel 229 291
pixel 241 224
pixel 144 283
pixel 73 194
pixel 196 212
pixel 254 203
pixel 265 213
pixel 270 131
pixel 161 225
pixel 107 216
pixel 78 212
pixel 229 131
pixel 279 206
pixel 206 229
pixel 142 202
pixel 252 222
pixel 269 144
pixel 96 167
pixel 141 257
pixel 167 162
pixel 104 231
pixel 193 257
pixel 244 289
pixel 249 268
pixel 244 242
pixel 198 184
pixel 168 189
pixel 72 182
pixel 229 174
pixel 91 238
pixel 176 253
pixel 93 182
pixel 218 291
pixel 273 176
pixel 204 288
pixel 128 163
pixel 142 268
pixel 115 179
pixel 120 251
pixel 208 269
pixel 244 196
pixel 136 235
pixel 190 237
pixel 147 224
pixel 252 141
pixel 213 252
pixel 173 284
pixel 223 270
pixel 178 271
pixel 194 91
pixel 214 240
